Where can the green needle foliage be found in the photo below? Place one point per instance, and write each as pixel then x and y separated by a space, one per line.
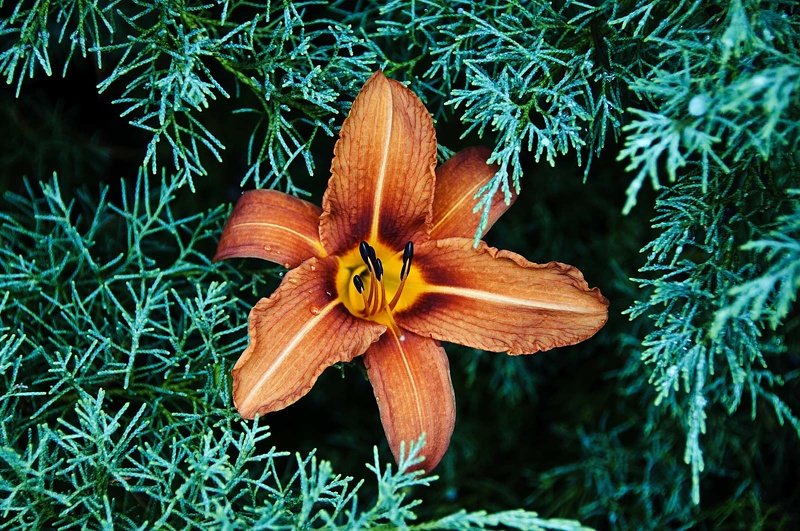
pixel 126 420
pixel 726 132
pixel 654 144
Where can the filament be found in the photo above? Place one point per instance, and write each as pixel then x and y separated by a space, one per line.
pixel 375 300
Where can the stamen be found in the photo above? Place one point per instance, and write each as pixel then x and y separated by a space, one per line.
pixel 358 283
pixel 395 328
pixel 382 298
pixel 397 294
pixel 373 292
pixel 363 248
pixel 408 255
pixel 375 297
pixel 408 252
pixel 366 302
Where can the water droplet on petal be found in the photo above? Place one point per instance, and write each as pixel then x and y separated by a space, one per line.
pixel 267 248
pixel 310 291
pixel 314 310
pixel 313 268
pixel 328 294
pixel 287 265
pixel 292 280
pixel 402 337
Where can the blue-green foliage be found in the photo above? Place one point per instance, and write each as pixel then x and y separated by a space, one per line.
pixel 724 129
pixel 169 58
pixel 116 327
pixel 115 407
pixel 528 73
pixel 293 68
pixel 769 296
pixel 726 94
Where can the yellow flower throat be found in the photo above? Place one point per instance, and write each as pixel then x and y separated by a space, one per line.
pixel 368 292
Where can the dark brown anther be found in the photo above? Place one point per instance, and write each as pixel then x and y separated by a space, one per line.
pixel 408 252
pixel 378 269
pixel 358 283
pixel 363 248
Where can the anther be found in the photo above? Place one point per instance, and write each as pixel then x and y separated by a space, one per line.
pixel 358 283
pixel 375 299
pixel 363 248
pixel 408 254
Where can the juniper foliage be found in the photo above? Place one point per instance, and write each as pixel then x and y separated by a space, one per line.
pixel 729 147
pixel 118 334
pixel 128 423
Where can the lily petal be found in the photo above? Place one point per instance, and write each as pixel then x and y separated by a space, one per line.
pixel 382 176
pixel 294 335
pixel 498 301
pixel 457 182
pixel 411 380
pixel 272 226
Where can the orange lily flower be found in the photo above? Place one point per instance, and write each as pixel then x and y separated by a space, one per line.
pixel 387 269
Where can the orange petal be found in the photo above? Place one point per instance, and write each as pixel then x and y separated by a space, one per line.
pixel 382 176
pixel 411 380
pixel 498 301
pixel 457 182
pixel 294 335
pixel 273 226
